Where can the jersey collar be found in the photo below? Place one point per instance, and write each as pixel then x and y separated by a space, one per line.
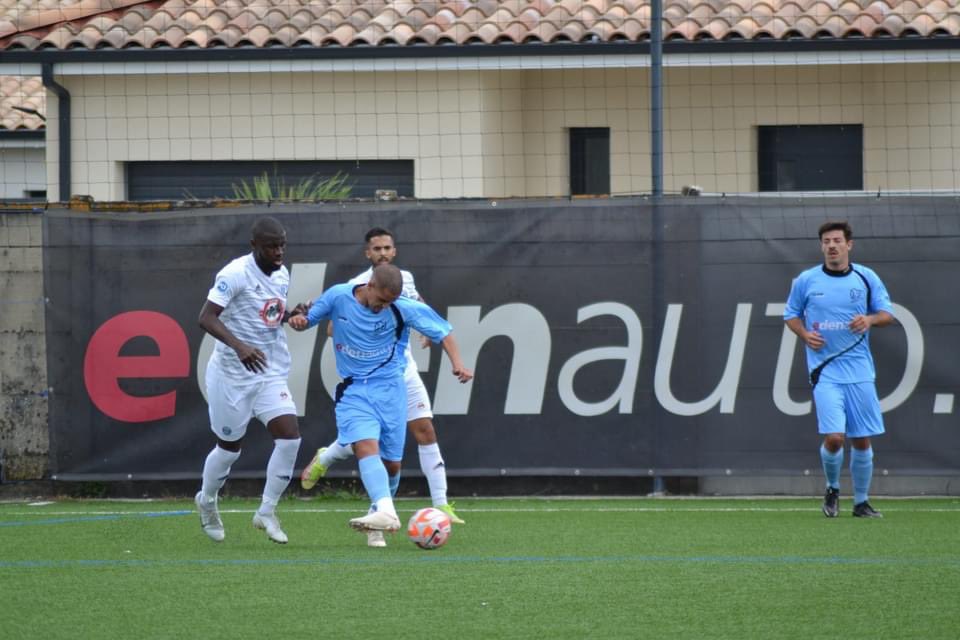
pixel 838 274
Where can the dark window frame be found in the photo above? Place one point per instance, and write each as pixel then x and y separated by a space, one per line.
pixel 589 161
pixel 822 157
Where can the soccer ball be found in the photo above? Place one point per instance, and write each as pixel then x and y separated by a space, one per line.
pixel 429 528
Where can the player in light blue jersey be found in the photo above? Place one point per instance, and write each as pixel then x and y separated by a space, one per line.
pixel 832 308
pixel 371 329
pixel 380 248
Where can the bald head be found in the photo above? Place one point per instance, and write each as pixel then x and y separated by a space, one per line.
pixel 388 278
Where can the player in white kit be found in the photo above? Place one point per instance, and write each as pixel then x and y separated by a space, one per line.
pixel 247 374
pixel 380 249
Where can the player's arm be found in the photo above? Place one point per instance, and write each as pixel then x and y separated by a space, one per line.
pixel 300 310
pixel 793 315
pixel 317 310
pixel 453 352
pixel 861 324
pixel 812 339
pixel 253 359
pixel 880 312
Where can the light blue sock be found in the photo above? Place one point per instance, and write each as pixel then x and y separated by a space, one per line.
pixel 861 470
pixel 394 484
pixel 832 463
pixel 374 477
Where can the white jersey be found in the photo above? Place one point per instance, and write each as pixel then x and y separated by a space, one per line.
pixel 253 305
pixel 409 291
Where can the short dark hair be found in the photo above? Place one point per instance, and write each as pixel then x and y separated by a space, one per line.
pixel 836 226
pixel 267 226
pixel 376 232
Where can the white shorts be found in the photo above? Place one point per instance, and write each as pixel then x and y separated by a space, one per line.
pixel 418 402
pixel 232 404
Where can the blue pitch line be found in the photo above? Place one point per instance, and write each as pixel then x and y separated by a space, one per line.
pixel 434 559
pixel 118 516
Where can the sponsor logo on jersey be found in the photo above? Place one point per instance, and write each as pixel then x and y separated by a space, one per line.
pixel 830 325
pixel 359 354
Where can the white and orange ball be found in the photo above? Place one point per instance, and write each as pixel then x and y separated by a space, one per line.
pixel 429 528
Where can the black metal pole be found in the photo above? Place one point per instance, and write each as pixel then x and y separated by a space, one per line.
pixel 63 127
pixel 656 96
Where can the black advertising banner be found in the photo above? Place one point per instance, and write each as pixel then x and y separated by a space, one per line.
pixel 608 337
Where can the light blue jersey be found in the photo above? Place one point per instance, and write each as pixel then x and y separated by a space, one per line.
pixel 827 302
pixel 366 343
pixel 371 402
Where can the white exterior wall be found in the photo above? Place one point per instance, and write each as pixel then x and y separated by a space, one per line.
pixel 22 168
pixel 504 133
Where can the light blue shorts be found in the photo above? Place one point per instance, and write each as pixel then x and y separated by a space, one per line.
pixel 853 409
pixel 374 410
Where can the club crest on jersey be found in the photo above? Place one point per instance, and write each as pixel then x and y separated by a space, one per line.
pixel 856 295
pixel 222 286
pixel 272 312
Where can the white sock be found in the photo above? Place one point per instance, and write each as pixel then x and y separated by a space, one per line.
pixel 386 505
pixel 279 472
pixel 335 452
pixel 216 470
pixel 433 468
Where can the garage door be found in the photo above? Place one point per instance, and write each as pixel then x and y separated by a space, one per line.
pixel 203 180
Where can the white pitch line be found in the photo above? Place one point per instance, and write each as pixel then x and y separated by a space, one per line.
pixel 486 510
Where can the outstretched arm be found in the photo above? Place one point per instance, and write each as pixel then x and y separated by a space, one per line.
pixel 453 352
pixel 253 359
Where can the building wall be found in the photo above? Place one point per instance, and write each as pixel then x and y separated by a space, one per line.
pixel 24 438
pixel 504 133
pixel 22 169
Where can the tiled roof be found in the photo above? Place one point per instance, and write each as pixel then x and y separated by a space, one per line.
pixel 90 24
pixel 17 91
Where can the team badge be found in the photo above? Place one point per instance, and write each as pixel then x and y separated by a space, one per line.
pixel 272 312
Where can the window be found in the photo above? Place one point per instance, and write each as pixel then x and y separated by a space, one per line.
pixel 590 161
pixel 202 179
pixel 810 157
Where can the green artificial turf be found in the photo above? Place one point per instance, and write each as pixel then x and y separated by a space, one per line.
pixel 519 568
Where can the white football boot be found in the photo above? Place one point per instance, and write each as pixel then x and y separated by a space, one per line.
pixel 270 524
pixel 376 521
pixel 209 517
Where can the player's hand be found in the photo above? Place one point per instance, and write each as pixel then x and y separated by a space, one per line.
pixel 301 309
pixel 298 322
pixel 814 340
pixel 860 324
pixel 463 374
pixel 253 359
pixel 424 342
